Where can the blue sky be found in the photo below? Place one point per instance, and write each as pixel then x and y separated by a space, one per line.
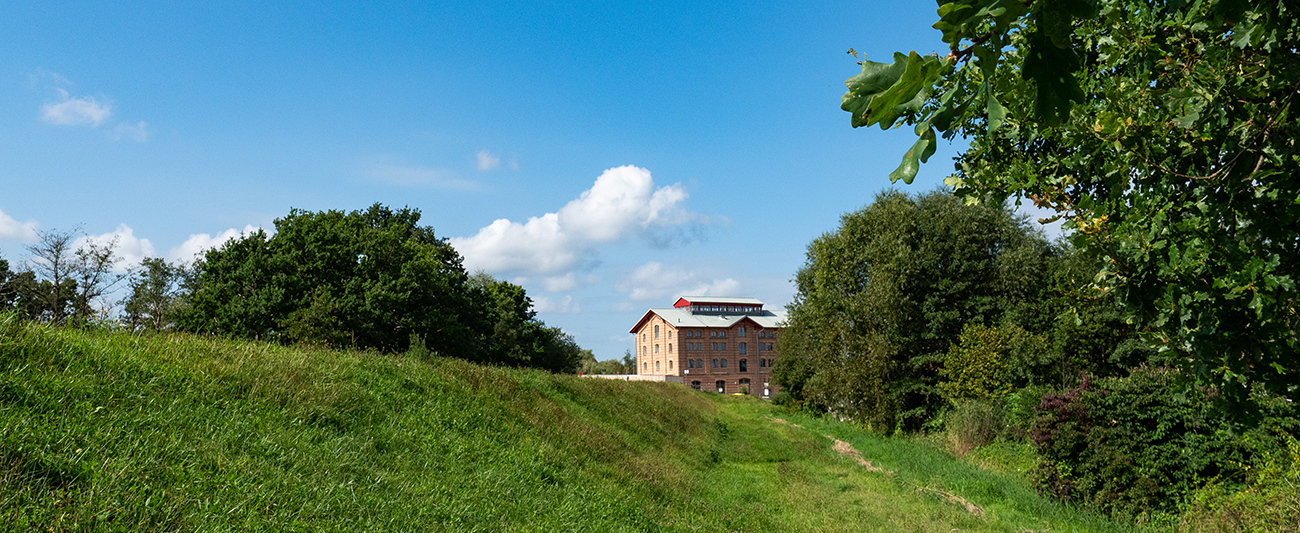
pixel 714 131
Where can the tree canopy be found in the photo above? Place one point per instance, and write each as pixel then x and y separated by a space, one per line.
pixel 369 279
pixel 881 300
pixel 1162 131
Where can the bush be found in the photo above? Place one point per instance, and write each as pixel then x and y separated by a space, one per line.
pixel 1271 501
pixel 1129 445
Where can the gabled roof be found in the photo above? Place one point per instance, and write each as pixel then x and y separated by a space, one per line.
pixel 685 319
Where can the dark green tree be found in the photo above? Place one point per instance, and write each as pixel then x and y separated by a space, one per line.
pixel 370 279
pixel 882 298
pixel 1163 132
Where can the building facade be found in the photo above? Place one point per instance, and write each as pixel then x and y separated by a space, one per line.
pixel 725 345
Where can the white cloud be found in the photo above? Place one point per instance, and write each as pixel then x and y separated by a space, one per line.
pixel 622 203
pixel 75 111
pixel 13 230
pixel 130 248
pixel 560 283
pixel 487 161
pixel 199 243
pixel 655 281
pixel 138 132
pixel 408 176
pixel 566 305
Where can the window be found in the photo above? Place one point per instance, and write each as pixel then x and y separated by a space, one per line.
pixel 713 334
pixel 740 331
pixel 645 366
pixel 656 348
pixel 744 385
pixel 695 385
pixel 724 363
pixel 722 334
pixel 762 363
pixel 744 365
pixel 670 335
pixel 670 364
pixel 722 346
pixel 760 346
pixel 656 331
pixel 715 363
pixel 670 348
pixel 715 346
pixel 690 363
pixel 643 337
pixel 740 348
pixel 722 387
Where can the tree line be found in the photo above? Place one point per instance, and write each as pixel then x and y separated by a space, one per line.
pixel 368 279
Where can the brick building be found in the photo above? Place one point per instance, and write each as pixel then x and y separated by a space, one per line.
pixel 713 343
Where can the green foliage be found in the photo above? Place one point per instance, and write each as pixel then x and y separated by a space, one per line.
pixel 979 364
pixel 1269 502
pixel 1141 443
pixel 371 279
pixel 112 431
pixel 157 295
pixel 974 424
pixel 881 300
pixel 1164 133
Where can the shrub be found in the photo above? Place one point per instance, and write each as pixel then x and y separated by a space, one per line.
pixel 1128 445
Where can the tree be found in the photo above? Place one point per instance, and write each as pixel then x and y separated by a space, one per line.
pixel 70 281
pixel 157 295
pixel 370 279
pixel 1163 132
pixel 881 300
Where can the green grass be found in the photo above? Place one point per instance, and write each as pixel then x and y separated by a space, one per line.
pixel 105 430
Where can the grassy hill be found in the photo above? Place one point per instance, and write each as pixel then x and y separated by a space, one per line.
pixel 104 430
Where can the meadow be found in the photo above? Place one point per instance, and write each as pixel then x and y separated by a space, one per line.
pixel 103 430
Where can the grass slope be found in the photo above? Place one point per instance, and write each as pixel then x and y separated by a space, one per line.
pixel 112 431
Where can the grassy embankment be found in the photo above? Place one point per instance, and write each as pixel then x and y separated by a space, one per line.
pixel 111 431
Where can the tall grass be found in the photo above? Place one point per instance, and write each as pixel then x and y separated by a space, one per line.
pixel 109 431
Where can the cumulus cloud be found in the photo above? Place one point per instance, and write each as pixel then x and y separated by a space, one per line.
pixel 487 161
pixel 138 132
pixel 655 281
pixel 566 305
pixel 199 243
pixel 70 111
pixel 622 203
pixel 130 248
pixel 13 230
pixel 415 176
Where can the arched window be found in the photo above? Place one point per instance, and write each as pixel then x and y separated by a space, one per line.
pixel 744 386
pixel 715 363
pixel 670 364
pixel 656 331
pixel 762 363
pixel 722 387
pixel 690 363
pixel 744 365
pixel 656 366
pixel 695 385
pixel 670 348
pixel 656 348
pixel 724 363
pixel 699 363
pixel 741 331
pixel 740 348
pixel 645 366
